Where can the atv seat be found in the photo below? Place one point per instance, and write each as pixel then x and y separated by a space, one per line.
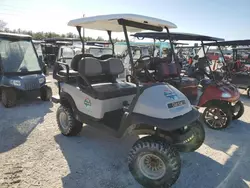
pixel 98 78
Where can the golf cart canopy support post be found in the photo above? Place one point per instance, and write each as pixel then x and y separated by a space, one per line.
pixel 112 43
pixel 204 51
pixel 79 29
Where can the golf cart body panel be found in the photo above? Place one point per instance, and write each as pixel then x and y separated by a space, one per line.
pixel 217 92
pixel 166 102
pixel 92 106
pixel 109 22
pixel 24 83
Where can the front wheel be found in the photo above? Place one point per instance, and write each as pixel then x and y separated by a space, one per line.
pixel 154 163
pixel 239 106
pixel 217 116
pixel 45 93
pixel 9 97
pixel 196 137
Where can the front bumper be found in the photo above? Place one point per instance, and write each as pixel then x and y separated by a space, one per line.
pixel 167 124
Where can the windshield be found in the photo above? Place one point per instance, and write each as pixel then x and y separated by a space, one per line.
pixel 18 56
pixel 67 52
pixel 97 52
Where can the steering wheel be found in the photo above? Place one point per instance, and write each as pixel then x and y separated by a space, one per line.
pixel 142 63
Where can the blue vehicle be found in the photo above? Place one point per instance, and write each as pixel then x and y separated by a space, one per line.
pixel 21 71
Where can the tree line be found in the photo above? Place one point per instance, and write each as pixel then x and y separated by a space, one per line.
pixel 42 35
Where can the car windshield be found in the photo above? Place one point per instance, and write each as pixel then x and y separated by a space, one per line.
pixel 18 56
pixel 97 52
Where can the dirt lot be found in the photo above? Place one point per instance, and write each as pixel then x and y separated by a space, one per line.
pixel 33 153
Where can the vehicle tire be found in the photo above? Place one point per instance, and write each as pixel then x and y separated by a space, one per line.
pixel 161 155
pixel 9 97
pixel 248 92
pixel 196 139
pixel 66 121
pixel 45 93
pixel 240 112
pixel 219 112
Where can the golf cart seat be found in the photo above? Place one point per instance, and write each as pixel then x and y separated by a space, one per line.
pixel 105 56
pixel 73 66
pixel 98 78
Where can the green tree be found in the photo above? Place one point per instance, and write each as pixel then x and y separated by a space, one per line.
pixel 2 25
pixel 100 39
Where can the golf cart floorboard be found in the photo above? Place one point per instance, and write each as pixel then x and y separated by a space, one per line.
pixel 55 98
pixel 110 124
pixel 113 119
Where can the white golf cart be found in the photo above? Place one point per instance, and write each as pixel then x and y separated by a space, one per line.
pixel 92 95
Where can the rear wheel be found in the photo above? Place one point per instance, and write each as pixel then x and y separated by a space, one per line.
pixel 9 97
pixel 45 93
pixel 154 163
pixel 192 142
pixel 217 116
pixel 66 121
pixel 240 110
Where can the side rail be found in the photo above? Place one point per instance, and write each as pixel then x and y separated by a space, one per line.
pixel 56 72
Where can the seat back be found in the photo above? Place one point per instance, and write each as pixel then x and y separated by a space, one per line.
pixel 76 59
pixel 100 71
pixel 105 56
pixel 202 63
pixel 166 69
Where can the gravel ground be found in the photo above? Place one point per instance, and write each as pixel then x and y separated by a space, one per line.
pixel 33 153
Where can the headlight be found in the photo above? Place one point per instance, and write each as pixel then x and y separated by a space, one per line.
pixel 41 80
pixel 226 95
pixel 15 82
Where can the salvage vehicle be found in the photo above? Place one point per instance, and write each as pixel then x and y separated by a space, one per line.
pixel 94 96
pixel 238 69
pixel 220 99
pixel 21 71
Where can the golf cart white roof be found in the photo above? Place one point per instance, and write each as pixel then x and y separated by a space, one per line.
pixel 110 22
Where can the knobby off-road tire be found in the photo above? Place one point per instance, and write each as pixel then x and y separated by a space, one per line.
pixel 66 121
pixel 195 140
pixel 155 148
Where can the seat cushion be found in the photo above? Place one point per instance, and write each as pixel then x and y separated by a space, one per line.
pixel 112 90
pixel 72 73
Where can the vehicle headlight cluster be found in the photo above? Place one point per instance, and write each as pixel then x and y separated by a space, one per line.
pixel 226 95
pixel 41 80
pixel 15 82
